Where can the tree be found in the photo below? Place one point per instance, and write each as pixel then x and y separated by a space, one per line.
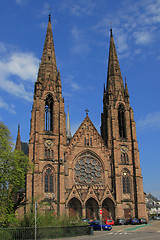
pixel 13 168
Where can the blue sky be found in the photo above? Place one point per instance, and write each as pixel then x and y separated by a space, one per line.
pixel 81 37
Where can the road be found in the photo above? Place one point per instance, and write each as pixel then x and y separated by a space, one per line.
pixel 129 232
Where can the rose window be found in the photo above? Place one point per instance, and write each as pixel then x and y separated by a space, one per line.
pixel 88 170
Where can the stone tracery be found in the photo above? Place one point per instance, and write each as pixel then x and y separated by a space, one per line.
pixel 88 169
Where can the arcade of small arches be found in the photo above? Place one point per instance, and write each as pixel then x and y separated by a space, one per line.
pixel 91 209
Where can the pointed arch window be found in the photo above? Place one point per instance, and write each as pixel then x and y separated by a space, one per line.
pixel 126 182
pixel 49 113
pixel 48 180
pixel 121 121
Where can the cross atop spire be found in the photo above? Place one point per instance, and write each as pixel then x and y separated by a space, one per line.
pixel 111 32
pixel 87 111
pixel 50 14
pixel 49 17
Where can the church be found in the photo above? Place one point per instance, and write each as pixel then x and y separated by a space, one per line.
pixel 89 175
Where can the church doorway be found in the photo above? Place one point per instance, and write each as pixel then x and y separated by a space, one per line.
pixel 91 209
pixel 75 208
pixel 127 212
pixel 108 209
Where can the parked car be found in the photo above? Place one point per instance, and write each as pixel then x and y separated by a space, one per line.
pixel 143 221
pixel 97 226
pixel 109 221
pixel 85 220
pixel 157 218
pixel 132 221
pixel 120 221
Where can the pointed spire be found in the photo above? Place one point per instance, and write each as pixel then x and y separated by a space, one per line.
pixel 114 77
pixel 48 65
pixel 49 17
pixel 68 130
pixel 104 91
pixel 111 32
pixel 18 141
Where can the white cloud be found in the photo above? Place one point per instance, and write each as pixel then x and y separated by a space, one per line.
pixel 45 9
pixel 80 44
pixel 2 47
pixel 21 2
pixel 23 65
pixel 79 7
pixel 143 37
pixel 70 80
pixel 135 24
pixel 18 71
pixel 6 106
pixel 151 121
pixel 75 86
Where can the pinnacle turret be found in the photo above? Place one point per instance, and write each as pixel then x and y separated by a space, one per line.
pixel 126 93
pixel 68 129
pixel 18 141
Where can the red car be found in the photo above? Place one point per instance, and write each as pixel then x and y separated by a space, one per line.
pixel 109 221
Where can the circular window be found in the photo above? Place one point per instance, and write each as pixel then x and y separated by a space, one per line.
pixel 88 170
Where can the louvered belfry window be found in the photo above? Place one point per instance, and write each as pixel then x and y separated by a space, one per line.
pixel 49 113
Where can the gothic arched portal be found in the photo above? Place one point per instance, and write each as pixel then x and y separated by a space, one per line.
pixel 91 209
pixel 75 208
pixel 108 209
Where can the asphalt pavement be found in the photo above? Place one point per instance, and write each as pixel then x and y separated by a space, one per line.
pixel 125 232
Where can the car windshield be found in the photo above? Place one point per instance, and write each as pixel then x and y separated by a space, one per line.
pixel 97 222
pixel 134 219
pixel 109 221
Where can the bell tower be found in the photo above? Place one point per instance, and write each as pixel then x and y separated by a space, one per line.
pixel 48 127
pixel 119 133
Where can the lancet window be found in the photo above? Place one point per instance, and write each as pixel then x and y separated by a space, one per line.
pixel 121 121
pixel 48 180
pixel 126 182
pixel 49 113
pixel 124 158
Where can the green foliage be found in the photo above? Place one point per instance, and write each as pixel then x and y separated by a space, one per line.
pixel 48 219
pixel 13 168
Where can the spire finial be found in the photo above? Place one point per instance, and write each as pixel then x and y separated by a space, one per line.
pixel 87 111
pixel 50 14
pixel 111 32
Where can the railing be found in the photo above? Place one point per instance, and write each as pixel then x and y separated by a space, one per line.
pixel 43 232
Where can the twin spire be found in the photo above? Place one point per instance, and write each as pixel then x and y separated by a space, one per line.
pixel 48 70
pixel 48 65
pixel 114 76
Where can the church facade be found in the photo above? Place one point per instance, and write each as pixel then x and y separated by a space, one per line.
pixel 89 172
